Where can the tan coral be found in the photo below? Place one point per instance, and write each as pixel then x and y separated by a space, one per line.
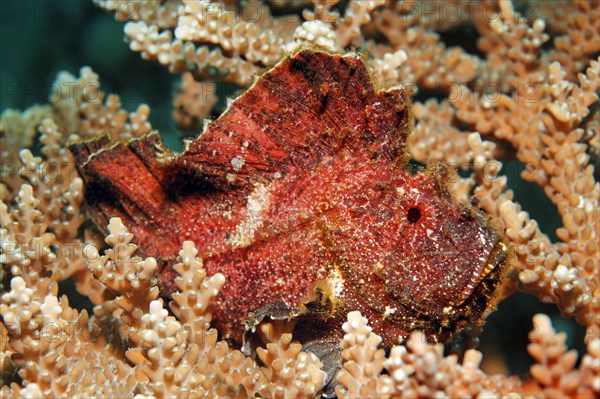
pixel 554 369
pixel 434 137
pixel 590 366
pixel 247 37
pixel 46 240
pixel 161 13
pixel 194 101
pixel 580 29
pixel 421 370
pixel 363 362
pixel 195 290
pixel 429 63
pixel 26 245
pixel 290 372
pixel 509 40
pixel 131 278
pixel 56 348
pixel 18 130
pixel 357 13
pixel 164 356
pixel 206 22
pixel 228 372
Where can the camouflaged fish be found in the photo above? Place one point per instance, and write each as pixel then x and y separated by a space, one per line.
pixel 300 195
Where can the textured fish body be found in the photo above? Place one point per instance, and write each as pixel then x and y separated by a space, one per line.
pixel 300 196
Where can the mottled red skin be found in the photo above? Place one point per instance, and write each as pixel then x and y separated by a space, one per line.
pixel 322 208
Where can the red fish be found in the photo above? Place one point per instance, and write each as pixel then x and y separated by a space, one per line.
pixel 300 195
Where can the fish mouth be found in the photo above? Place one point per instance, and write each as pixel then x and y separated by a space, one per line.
pixel 492 262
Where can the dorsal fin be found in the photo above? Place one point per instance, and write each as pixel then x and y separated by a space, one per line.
pixel 311 106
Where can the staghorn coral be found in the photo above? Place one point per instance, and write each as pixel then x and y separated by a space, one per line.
pixel 420 370
pixel 290 372
pixel 527 89
pixel 194 101
pixel 554 370
pixel 131 279
pixel 55 348
pixel 363 362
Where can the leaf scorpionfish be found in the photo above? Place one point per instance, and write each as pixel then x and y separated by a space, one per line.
pixel 300 195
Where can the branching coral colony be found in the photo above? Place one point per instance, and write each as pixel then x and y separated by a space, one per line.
pixel 544 114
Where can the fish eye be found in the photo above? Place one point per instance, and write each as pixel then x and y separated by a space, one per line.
pixel 413 214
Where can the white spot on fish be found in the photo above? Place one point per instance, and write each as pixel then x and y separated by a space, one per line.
pixel 389 312
pixel 256 208
pixel 237 162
